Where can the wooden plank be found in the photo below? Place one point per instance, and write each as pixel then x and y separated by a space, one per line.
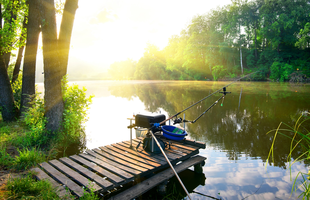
pixel 60 190
pixel 129 167
pixel 158 157
pixel 170 155
pixel 195 143
pixel 87 173
pixel 75 176
pixel 109 167
pixel 141 150
pixel 182 145
pixel 132 156
pixel 135 152
pixel 191 143
pixel 153 181
pixel 76 189
pixel 132 169
pixel 107 152
pixel 116 179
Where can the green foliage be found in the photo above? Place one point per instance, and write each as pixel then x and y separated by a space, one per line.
pixel 28 158
pixel 74 116
pixel 267 32
pixel 16 86
pixel 300 136
pixel 280 71
pixel 304 40
pixel 35 120
pixel 5 159
pixel 28 188
pixel 218 72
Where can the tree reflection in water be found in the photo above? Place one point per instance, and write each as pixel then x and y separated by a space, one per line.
pixel 235 133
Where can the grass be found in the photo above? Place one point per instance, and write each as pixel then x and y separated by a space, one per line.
pixel 26 143
pixel 300 139
pixel 27 188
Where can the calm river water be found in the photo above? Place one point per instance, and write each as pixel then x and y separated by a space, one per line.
pixel 235 132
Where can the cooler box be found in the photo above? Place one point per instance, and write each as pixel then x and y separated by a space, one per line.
pixel 147 120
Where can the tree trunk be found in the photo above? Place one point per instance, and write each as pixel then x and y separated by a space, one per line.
pixel 20 53
pixel 255 44
pixel 66 32
pixel 53 100
pixel 17 64
pixel 33 31
pixel 241 60
pixel 8 109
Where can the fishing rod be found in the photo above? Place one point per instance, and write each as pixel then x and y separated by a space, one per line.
pixel 224 92
pixel 156 125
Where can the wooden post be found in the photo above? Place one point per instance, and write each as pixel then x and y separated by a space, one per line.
pixel 162 188
pixel 198 167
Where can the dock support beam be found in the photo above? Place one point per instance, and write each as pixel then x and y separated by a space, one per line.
pixel 198 168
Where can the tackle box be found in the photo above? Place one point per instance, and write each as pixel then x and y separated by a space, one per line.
pixel 147 120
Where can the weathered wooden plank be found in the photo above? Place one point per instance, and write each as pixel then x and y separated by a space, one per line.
pixel 132 169
pixel 127 159
pixel 153 181
pixel 109 167
pixel 60 190
pixel 140 154
pixel 116 179
pixel 140 149
pixel 170 155
pixel 159 158
pixel 75 188
pixel 75 176
pixel 129 167
pixel 87 173
pixel 180 148
pixel 187 142
pixel 132 156
pixel 195 143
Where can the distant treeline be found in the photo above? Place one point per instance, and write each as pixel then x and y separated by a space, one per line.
pixel 272 36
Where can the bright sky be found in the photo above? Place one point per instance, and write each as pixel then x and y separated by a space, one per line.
pixel 106 31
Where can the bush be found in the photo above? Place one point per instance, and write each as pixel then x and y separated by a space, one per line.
pixel 76 105
pixel 218 71
pixel 28 158
pixel 280 71
pixel 28 188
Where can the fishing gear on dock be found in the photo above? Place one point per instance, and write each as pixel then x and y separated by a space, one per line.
pixel 219 90
pixel 157 124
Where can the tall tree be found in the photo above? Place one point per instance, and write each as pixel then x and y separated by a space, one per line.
pixel 66 32
pixel 55 58
pixel 9 25
pixel 53 100
pixel 33 31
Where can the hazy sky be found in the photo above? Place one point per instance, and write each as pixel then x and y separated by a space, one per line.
pixel 106 31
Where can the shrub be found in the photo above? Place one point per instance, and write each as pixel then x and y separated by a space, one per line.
pixel 28 188
pixel 76 105
pixel 280 71
pixel 218 71
pixel 28 158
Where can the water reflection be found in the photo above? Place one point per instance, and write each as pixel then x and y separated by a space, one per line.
pixel 235 133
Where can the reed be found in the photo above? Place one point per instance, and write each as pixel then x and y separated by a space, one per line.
pixel 300 137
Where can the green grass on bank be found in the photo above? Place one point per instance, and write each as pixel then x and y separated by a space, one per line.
pixel 25 143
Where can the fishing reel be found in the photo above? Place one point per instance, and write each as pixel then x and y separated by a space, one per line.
pixel 177 121
pixel 224 91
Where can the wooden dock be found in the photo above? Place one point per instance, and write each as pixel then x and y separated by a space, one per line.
pixel 116 167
